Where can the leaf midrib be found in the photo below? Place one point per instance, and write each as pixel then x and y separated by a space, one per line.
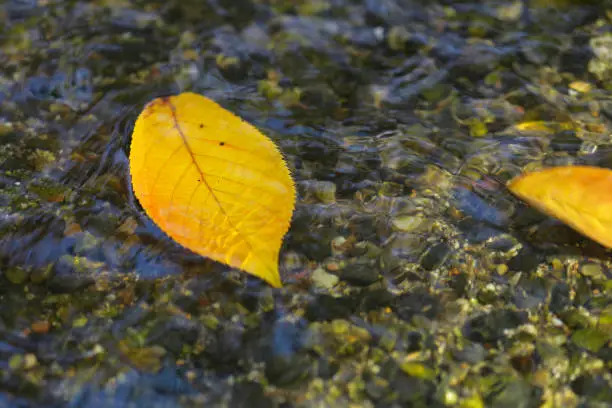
pixel 203 177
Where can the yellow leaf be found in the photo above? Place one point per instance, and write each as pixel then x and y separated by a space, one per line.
pixel 212 182
pixel 543 127
pixel 580 196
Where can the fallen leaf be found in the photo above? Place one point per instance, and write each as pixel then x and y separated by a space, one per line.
pixel 543 126
pixel 580 196
pixel 212 182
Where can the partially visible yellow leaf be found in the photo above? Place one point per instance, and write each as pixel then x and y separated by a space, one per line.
pixel 212 182
pixel 580 196
pixel 541 126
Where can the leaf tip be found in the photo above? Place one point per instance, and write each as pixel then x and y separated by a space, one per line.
pixel 275 281
pixel 268 274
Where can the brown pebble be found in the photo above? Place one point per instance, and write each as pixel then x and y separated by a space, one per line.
pixel 41 326
pixel 71 229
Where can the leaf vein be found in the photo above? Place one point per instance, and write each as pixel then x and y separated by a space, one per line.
pixel 195 163
pixel 272 212
pixel 250 186
pixel 161 168
pixel 261 172
pixel 180 179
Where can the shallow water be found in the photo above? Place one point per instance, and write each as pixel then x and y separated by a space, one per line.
pixel 412 276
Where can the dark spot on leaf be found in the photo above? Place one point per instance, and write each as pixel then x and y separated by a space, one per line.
pixel 201 125
pixel 221 143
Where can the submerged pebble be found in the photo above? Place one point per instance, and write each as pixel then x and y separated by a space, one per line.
pixel 360 274
pixel 323 279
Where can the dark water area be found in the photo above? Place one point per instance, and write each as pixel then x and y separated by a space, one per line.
pixel 413 278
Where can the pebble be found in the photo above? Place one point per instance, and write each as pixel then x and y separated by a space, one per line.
pixel 360 274
pixel 592 270
pixel 324 280
pixel 41 326
pixel 16 275
pixel 436 256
